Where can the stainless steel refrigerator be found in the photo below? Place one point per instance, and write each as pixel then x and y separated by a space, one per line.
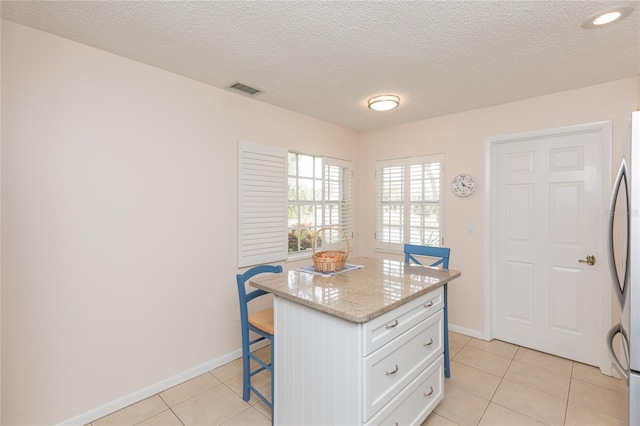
pixel 623 340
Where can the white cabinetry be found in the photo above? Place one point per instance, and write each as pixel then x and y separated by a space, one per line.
pixel 330 371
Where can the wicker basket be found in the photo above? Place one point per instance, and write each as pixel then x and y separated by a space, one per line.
pixel 329 260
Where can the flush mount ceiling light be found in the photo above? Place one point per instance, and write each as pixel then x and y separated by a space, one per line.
pixel 383 102
pixel 609 16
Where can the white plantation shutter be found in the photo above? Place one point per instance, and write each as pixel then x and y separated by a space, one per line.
pixel 262 204
pixel 424 200
pixel 390 204
pixel 409 202
pixel 337 212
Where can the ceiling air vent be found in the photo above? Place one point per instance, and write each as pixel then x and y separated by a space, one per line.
pixel 245 89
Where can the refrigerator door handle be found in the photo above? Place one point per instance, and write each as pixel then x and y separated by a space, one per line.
pixel 612 354
pixel 618 287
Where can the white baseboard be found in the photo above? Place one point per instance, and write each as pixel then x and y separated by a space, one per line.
pixel 163 385
pixel 468 332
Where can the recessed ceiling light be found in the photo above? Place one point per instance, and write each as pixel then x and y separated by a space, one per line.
pixel 607 17
pixel 383 102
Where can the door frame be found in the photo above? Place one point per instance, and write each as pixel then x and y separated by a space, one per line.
pixel 605 130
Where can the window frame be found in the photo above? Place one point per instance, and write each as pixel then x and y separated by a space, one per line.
pixel 344 201
pixel 404 202
pixel 263 203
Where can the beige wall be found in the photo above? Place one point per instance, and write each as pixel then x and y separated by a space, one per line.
pixel 461 137
pixel 119 220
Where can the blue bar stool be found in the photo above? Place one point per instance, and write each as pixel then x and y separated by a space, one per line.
pixel 260 323
pixel 442 255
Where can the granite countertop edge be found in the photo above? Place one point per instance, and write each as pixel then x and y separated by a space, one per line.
pixel 348 315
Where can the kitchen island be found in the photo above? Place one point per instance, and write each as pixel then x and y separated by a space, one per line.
pixel 358 347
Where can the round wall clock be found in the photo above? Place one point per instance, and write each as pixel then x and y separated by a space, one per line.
pixel 463 185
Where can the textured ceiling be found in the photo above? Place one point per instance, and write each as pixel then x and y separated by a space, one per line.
pixel 326 58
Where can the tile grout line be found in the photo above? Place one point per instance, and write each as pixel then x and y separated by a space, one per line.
pixel 171 408
pixel 566 408
pixel 450 360
pixel 497 387
pixel 544 391
pixel 567 395
pixel 151 416
pixel 596 408
pixel 251 406
pixel 220 382
pixel 177 416
pixel 512 359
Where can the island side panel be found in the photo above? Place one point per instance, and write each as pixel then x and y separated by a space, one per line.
pixel 317 367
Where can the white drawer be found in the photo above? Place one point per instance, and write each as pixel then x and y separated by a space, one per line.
pixel 387 327
pixel 394 366
pixel 416 401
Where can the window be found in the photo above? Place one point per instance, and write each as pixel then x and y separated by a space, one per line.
pixel 319 195
pixel 409 202
pixel 283 198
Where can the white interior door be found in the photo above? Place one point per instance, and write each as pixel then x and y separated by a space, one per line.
pixel 548 216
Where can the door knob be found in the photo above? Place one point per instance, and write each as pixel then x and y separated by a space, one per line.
pixel 590 260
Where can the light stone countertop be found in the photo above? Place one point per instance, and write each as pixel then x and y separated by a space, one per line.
pixel 359 295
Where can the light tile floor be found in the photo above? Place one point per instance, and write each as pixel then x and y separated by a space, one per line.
pixel 497 383
pixel 492 383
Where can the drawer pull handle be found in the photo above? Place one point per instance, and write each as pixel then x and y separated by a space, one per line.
pixel 429 343
pixel 388 373
pixel 428 304
pixel 388 326
pixel 430 392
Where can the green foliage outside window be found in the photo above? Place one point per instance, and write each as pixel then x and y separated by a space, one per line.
pixel 300 240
